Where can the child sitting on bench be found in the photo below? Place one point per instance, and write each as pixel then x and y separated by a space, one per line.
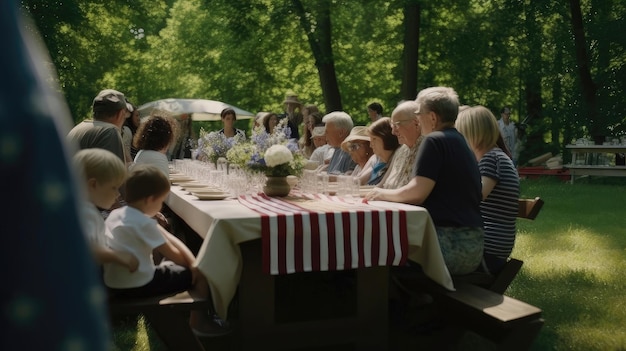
pixel 133 230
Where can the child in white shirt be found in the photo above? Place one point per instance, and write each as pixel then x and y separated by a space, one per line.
pixel 133 230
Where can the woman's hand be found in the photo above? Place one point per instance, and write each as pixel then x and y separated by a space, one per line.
pixel 377 194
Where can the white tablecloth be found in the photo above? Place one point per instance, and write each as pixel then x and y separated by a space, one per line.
pixel 224 224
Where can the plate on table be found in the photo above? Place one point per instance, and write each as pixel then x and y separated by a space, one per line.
pixel 214 196
pixel 180 178
pixel 190 185
pixel 206 191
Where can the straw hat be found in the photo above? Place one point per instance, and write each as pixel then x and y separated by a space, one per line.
pixel 357 133
pixel 318 132
pixel 292 99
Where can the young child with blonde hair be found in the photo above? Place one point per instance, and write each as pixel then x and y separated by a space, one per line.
pixel 103 174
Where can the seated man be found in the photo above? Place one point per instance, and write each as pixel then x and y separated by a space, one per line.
pixel 110 110
pixel 405 126
pixel 338 127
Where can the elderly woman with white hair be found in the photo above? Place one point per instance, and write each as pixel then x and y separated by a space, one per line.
pixel 338 127
pixel 447 182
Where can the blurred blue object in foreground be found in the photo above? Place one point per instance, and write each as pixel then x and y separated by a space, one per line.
pixel 51 295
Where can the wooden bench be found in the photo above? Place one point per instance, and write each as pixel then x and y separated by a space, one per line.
pixel 509 323
pixel 478 304
pixel 168 315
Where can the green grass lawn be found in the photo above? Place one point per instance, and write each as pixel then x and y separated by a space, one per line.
pixel 574 257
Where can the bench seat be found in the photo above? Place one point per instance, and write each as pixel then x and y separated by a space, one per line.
pixel 510 323
pixel 168 315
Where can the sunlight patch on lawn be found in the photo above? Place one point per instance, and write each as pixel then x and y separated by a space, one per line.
pixel 590 335
pixel 142 342
pixel 575 249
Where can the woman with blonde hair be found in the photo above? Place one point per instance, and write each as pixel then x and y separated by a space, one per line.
pixel 500 184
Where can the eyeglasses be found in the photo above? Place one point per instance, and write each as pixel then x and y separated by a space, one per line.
pixel 400 122
pixel 354 147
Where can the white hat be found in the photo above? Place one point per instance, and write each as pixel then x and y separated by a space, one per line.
pixel 318 132
pixel 357 133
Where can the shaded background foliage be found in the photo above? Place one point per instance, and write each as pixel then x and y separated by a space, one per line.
pixel 249 53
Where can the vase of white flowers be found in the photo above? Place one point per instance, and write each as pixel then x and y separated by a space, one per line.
pixel 277 159
pixel 276 186
pixel 275 155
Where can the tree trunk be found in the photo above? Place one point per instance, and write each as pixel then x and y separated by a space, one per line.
pixel 320 40
pixel 410 54
pixel 589 88
pixel 557 95
pixel 534 140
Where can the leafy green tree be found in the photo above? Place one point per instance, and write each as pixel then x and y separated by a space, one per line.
pixel 343 54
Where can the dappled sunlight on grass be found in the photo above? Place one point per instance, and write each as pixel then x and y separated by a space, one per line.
pixel 575 249
pixel 133 334
pixel 574 257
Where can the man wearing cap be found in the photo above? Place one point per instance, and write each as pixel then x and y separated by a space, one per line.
pixel 110 110
pixel 338 127
pixel 323 152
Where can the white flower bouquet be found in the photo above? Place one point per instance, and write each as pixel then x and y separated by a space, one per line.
pixel 275 155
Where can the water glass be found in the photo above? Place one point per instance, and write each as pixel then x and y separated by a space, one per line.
pixel 308 181
pixel 322 183
pixel 355 186
pixel 217 178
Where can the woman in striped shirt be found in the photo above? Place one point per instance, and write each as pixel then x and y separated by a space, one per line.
pixel 500 184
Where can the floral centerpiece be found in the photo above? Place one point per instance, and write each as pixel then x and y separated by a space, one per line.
pixel 214 145
pixel 275 154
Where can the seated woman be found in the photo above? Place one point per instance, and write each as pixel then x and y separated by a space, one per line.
pixel 357 144
pixel 229 117
pixel 153 138
pixel 500 190
pixel 270 121
pixel 311 120
pixel 446 182
pixel 384 144
pixel 311 117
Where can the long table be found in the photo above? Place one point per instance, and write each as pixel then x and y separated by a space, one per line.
pixel 231 259
pixel 582 165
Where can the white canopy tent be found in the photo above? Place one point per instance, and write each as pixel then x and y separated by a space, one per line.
pixel 199 109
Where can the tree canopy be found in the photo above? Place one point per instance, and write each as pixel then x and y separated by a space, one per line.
pixel 561 66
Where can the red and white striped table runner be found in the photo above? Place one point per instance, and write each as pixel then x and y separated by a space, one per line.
pixel 325 233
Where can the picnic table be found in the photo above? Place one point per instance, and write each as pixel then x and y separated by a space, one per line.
pixel 251 240
pixel 594 160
